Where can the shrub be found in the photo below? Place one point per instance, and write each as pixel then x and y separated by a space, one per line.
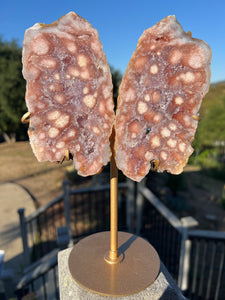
pixel 222 199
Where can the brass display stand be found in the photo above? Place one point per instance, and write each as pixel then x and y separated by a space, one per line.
pixel 114 263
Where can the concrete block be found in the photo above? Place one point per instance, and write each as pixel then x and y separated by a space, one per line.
pixel 164 287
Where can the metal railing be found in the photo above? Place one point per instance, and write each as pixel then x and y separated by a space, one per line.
pixel 206 274
pixel 41 279
pixel 195 258
pixel 89 210
pixel 161 228
pixel 38 230
pixel 83 211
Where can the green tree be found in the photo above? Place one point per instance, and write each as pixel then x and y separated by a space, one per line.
pixel 12 90
pixel 116 80
pixel 212 118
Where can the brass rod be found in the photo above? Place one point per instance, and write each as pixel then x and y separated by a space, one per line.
pixel 113 253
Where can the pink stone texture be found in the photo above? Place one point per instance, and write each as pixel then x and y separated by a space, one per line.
pixel 159 99
pixel 69 93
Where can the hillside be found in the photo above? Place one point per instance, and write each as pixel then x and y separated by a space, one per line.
pixel 43 180
pixel 212 117
pixel 195 194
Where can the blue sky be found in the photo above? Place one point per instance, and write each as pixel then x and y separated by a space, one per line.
pixel 121 23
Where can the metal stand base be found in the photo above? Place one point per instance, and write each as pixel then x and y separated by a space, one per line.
pixel 137 267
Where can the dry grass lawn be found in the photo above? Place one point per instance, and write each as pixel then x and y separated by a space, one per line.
pixel 43 180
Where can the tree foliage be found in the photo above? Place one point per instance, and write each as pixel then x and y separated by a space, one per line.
pixel 211 128
pixel 116 79
pixel 12 88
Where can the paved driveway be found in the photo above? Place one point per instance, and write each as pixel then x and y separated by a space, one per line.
pixel 13 197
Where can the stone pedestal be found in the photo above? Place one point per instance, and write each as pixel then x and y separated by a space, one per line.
pixel 164 288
